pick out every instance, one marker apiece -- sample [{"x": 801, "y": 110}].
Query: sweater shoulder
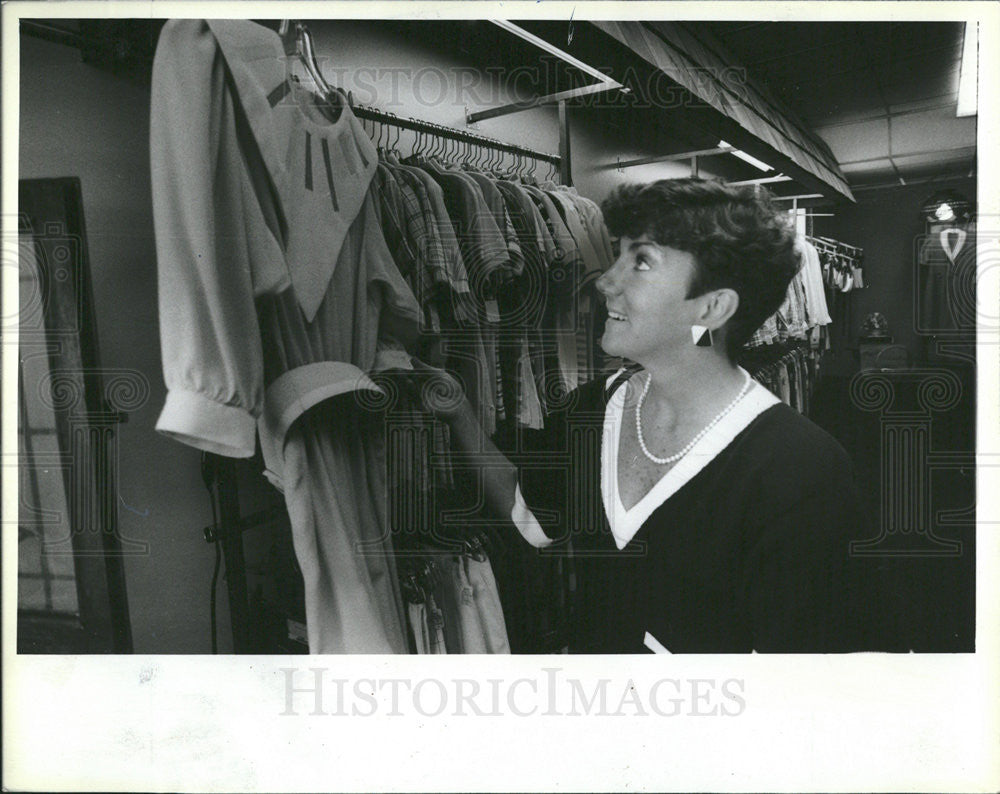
[{"x": 790, "y": 446}]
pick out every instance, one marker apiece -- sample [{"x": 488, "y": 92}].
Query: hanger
[
  {"x": 416, "y": 153},
  {"x": 297, "y": 41},
  {"x": 474, "y": 548},
  {"x": 386, "y": 150},
  {"x": 412, "y": 591},
  {"x": 528, "y": 177},
  {"x": 509, "y": 170},
  {"x": 515, "y": 163},
  {"x": 497, "y": 163},
  {"x": 394, "y": 147}
]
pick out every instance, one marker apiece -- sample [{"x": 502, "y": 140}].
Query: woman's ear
[{"x": 719, "y": 306}]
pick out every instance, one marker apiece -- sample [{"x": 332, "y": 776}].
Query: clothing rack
[
  {"x": 230, "y": 524},
  {"x": 298, "y": 41},
  {"x": 450, "y": 133},
  {"x": 837, "y": 247}
]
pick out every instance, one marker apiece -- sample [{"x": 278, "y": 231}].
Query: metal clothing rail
[
  {"x": 50, "y": 32},
  {"x": 839, "y": 247},
  {"x": 298, "y": 41},
  {"x": 450, "y": 133}
]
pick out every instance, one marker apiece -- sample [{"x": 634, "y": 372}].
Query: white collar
[{"x": 625, "y": 523}]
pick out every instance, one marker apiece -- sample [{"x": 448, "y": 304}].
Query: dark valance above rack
[{"x": 747, "y": 114}]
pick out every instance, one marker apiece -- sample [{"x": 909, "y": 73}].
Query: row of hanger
[
  {"x": 463, "y": 154},
  {"x": 836, "y": 247},
  {"x": 431, "y": 141}
]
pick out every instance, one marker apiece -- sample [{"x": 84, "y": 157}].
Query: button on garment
[{"x": 277, "y": 295}]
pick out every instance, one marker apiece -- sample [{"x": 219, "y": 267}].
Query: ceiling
[{"x": 882, "y": 95}]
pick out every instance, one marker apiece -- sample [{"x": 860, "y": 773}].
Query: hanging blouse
[
  {"x": 277, "y": 295},
  {"x": 811, "y": 275}
]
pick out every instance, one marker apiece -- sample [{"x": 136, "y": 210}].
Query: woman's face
[{"x": 645, "y": 289}]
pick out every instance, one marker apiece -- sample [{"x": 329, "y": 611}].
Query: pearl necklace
[{"x": 678, "y": 455}]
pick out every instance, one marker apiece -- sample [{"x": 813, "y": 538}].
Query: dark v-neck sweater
[{"x": 751, "y": 554}]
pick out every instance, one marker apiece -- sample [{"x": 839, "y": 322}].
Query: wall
[
  {"x": 887, "y": 223},
  {"x": 933, "y": 597},
  {"x": 413, "y": 80},
  {"x": 77, "y": 120}
]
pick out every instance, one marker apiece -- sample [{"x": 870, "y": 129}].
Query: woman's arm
[
  {"x": 475, "y": 448},
  {"x": 441, "y": 395}
]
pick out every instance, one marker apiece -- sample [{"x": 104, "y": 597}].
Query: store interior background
[{"x": 91, "y": 121}]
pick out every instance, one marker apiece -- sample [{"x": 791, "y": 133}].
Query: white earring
[{"x": 701, "y": 335}]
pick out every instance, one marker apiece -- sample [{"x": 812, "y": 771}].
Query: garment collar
[{"x": 321, "y": 171}]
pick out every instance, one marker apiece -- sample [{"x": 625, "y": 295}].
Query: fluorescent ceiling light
[
  {"x": 746, "y": 157},
  {"x": 510, "y": 27},
  {"x": 968, "y": 81}
]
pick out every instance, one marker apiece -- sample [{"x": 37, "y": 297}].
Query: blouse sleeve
[
  {"x": 212, "y": 355},
  {"x": 526, "y": 523}
]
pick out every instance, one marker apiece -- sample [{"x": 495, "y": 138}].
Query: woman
[{"x": 703, "y": 514}]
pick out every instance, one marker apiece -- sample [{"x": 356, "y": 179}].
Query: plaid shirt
[{"x": 441, "y": 255}]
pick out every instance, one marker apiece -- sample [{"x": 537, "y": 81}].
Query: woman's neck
[{"x": 697, "y": 388}]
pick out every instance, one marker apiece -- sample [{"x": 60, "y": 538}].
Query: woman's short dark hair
[{"x": 738, "y": 238}]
